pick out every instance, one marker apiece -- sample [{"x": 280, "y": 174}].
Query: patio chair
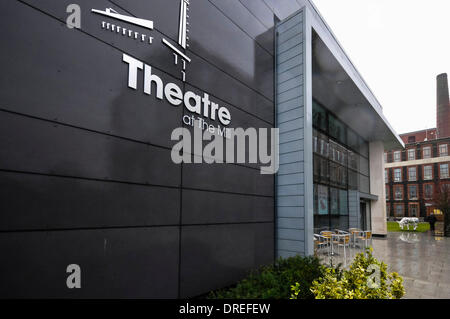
[
  {"x": 321, "y": 242},
  {"x": 354, "y": 232},
  {"x": 328, "y": 235},
  {"x": 343, "y": 240},
  {"x": 365, "y": 236}
]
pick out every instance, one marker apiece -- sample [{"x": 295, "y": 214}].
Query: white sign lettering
[{"x": 174, "y": 95}]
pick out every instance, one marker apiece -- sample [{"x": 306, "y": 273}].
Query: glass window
[
  {"x": 428, "y": 172},
  {"x": 336, "y": 129},
  {"x": 342, "y": 176},
  {"x": 352, "y": 180},
  {"x": 428, "y": 191},
  {"x": 363, "y": 165},
  {"x": 411, "y": 154},
  {"x": 397, "y": 175},
  {"x": 385, "y": 157},
  {"x": 412, "y": 174},
  {"x": 364, "y": 184},
  {"x": 443, "y": 171},
  {"x": 322, "y": 200},
  {"x": 399, "y": 210},
  {"x": 319, "y": 116},
  {"x": 387, "y": 192},
  {"x": 316, "y": 209},
  {"x": 340, "y": 164},
  {"x": 353, "y": 160},
  {"x": 413, "y": 210},
  {"x": 352, "y": 139},
  {"x": 412, "y": 191},
  {"x": 398, "y": 192},
  {"x": 334, "y": 201},
  {"x": 426, "y": 152},
  {"x": 343, "y": 202},
  {"x": 397, "y": 156},
  {"x": 363, "y": 147},
  {"x": 443, "y": 150},
  {"x": 386, "y": 175}
]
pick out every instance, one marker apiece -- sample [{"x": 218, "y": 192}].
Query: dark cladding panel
[
  {"x": 217, "y": 256},
  {"x": 30, "y": 201},
  {"x": 200, "y": 207},
  {"x": 53, "y": 149},
  {"x": 239, "y": 56},
  {"x": 56, "y": 64},
  {"x": 283, "y": 8},
  {"x": 227, "y": 178},
  {"x": 163, "y": 13},
  {"x": 247, "y": 21},
  {"x": 115, "y": 263},
  {"x": 228, "y": 89},
  {"x": 86, "y": 175},
  {"x": 243, "y": 90},
  {"x": 261, "y": 11}
]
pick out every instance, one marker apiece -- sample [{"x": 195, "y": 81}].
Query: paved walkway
[{"x": 422, "y": 259}]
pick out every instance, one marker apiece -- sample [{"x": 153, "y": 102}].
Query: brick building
[{"x": 413, "y": 174}]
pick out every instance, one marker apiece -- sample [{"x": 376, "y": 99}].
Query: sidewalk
[{"x": 422, "y": 259}]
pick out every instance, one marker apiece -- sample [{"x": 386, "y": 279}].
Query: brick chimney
[{"x": 443, "y": 107}]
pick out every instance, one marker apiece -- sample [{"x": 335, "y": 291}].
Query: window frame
[
  {"x": 407, "y": 172},
  {"x": 395, "y": 192},
  {"x": 440, "y": 171},
  {"x": 425, "y": 193},
  {"x": 446, "y": 149},
  {"x": 409, "y": 209},
  {"x": 431, "y": 151},
  {"x": 401, "y": 175},
  {"x": 393, "y": 156},
  {"x": 408, "y": 152},
  {"x": 423, "y": 172},
  {"x": 395, "y": 209},
  {"x": 417, "y": 192}
]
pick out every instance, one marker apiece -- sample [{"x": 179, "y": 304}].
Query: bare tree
[{"x": 441, "y": 200}]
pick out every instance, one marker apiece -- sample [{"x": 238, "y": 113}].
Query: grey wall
[
  {"x": 85, "y": 169},
  {"x": 293, "y": 196}
]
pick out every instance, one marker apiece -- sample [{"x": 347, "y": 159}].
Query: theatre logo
[
  {"x": 178, "y": 50},
  {"x": 126, "y": 31}
]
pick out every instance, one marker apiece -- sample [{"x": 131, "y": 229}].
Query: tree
[{"x": 441, "y": 200}]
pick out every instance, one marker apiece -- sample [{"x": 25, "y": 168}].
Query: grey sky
[{"x": 399, "y": 47}]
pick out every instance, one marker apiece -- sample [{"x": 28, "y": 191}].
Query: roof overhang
[{"x": 337, "y": 84}]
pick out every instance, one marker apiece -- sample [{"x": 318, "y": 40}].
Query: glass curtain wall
[{"x": 341, "y": 164}]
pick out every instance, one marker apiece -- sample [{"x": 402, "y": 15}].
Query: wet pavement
[{"x": 422, "y": 259}]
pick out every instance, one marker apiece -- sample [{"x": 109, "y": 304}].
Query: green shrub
[
  {"x": 274, "y": 281},
  {"x": 359, "y": 282}
]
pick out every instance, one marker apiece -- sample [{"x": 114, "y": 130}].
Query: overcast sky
[{"x": 399, "y": 47}]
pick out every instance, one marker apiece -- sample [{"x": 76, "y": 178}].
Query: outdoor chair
[
  {"x": 321, "y": 242},
  {"x": 342, "y": 240},
  {"x": 365, "y": 236},
  {"x": 354, "y": 232},
  {"x": 328, "y": 235}
]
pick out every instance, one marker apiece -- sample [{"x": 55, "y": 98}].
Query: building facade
[
  {"x": 87, "y": 112},
  {"x": 414, "y": 174}
]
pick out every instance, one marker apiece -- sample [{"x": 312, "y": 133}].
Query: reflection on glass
[{"x": 340, "y": 164}]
